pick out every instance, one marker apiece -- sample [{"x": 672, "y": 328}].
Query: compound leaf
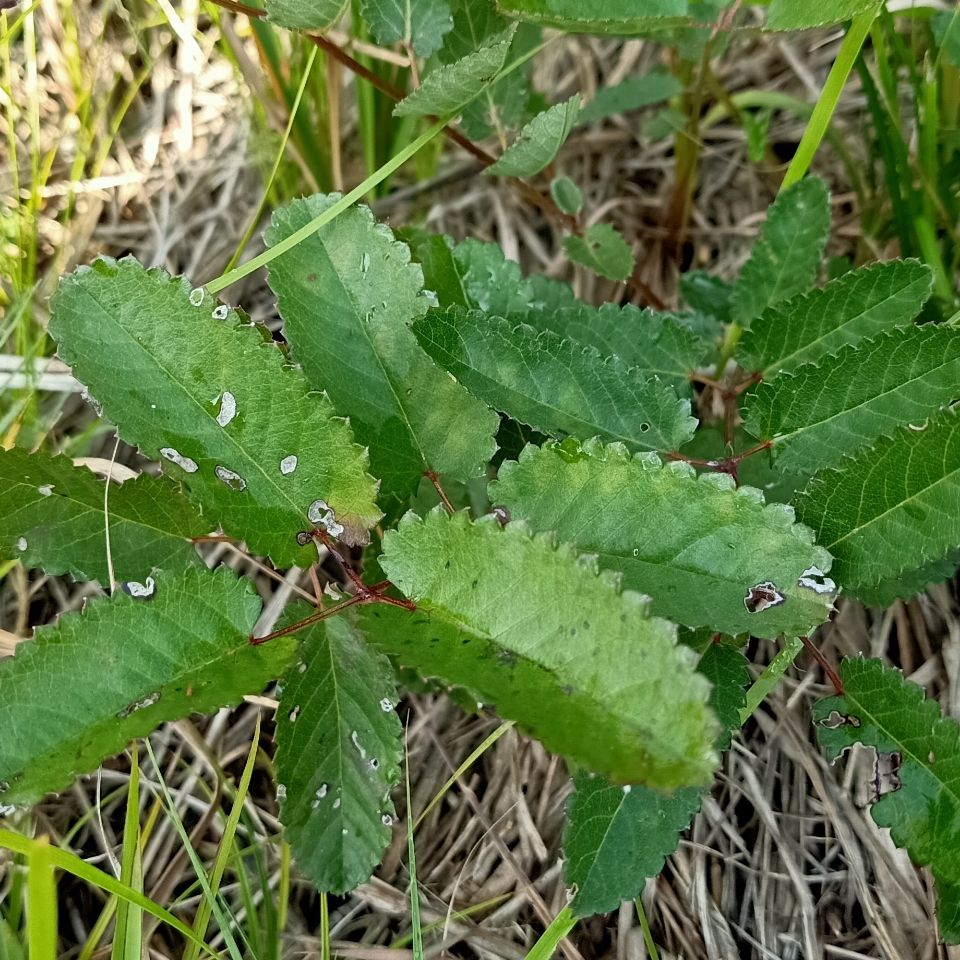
[
  {"x": 52, "y": 517},
  {"x": 892, "y": 508},
  {"x": 603, "y": 250},
  {"x": 824, "y": 412},
  {"x": 446, "y": 89},
  {"x": 554, "y": 385},
  {"x": 785, "y": 258},
  {"x": 879, "y": 708},
  {"x": 860, "y": 304},
  {"x": 347, "y": 294},
  {"x": 421, "y": 24},
  {"x": 705, "y": 552},
  {"x": 801, "y": 14},
  {"x": 538, "y": 142},
  {"x": 213, "y": 396},
  {"x": 527, "y": 626},
  {"x": 338, "y": 755},
  {"x": 617, "y": 836},
  {"x": 305, "y": 14},
  {"x": 88, "y": 684}
]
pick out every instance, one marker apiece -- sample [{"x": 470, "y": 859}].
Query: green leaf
[
  {"x": 338, "y": 755},
  {"x": 630, "y": 94},
  {"x": 52, "y": 517},
  {"x": 305, "y": 14},
  {"x": 216, "y": 398},
  {"x": 824, "y": 412},
  {"x": 347, "y": 295},
  {"x": 88, "y": 684},
  {"x": 445, "y": 90},
  {"x": 650, "y": 341},
  {"x": 801, "y": 14},
  {"x": 566, "y": 195},
  {"x": 910, "y": 582},
  {"x": 702, "y": 549},
  {"x": 612, "y": 17},
  {"x": 617, "y": 836},
  {"x": 505, "y": 102},
  {"x": 527, "y": 626},
  {"x": 603, "y": 250},
  {"x": 421, "y": 24},
  {"x": 554, "y": 385},
  {"x": 785, "y": 259},
  {"x": 892, "y": 508},
  {"x": 921, "y": 806},
  {"x": 538, "y": 142},
  {"x": 855, "y": 306}
]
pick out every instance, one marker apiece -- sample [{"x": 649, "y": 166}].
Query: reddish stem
[
  {"x": 726, "y": 465},
  {"x": 831, "y": 674},
  {"x": 307, "y": 621},
  {"x": 432, "y": 476}
]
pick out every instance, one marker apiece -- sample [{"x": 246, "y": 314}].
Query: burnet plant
[{"x": 699, "y": 476}]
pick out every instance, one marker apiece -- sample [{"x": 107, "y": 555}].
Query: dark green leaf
[
  {"x": 420, "y": 24},
  {"x": 554, "y": 385},
  {"x": 338, "y": 755},
  {"x": 785, "y": 259},
  {"x": 566, "y": 195},
  {"x": 88, "y": 684},
  {"x": 892, "y": 508},
  {"x": 801, "y": 14},
  {"x": 305, "y": 14},
  {"x": 52, "y": 517},
  {"x": 824, "y": 412},
  {"x": 855, "y": 306},
  {"x": 347, "y": 295}
]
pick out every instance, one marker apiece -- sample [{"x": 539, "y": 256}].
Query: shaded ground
[{"x": 783, "y": 861}]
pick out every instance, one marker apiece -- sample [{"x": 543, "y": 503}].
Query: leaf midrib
[{"x": 297, "y": 508}]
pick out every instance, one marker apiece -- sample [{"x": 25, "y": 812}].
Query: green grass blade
[
  {"x": 63, "y": 860},
  {"x": 546, "y": 946},
  {"x": 128, "y": 933},
  {"x": 829, "y": 97},
  {"x": 226, "y": 843},
  {"x": 41, "y": 902}
]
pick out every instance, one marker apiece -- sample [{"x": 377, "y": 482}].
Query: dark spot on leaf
[
  {"x": 644, "y": 427},
  {"x": 311, "y": 278},
  {"x": 837, "y": 719},
  {"x": 475, "y": 584},
  {"x": 303, "y": 538},
  {"x": 762, "y": 596},
  {"x": 506, "y": 658}
]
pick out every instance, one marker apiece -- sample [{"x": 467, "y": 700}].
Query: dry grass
[{"x": 783, "y": 860}]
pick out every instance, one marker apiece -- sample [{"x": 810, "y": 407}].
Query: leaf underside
[
  {"x": 525, "y": 625},
  {"x": 447, "y": 89},
  {"x": 52, "y": 517},
  {"x": 338, "y": 755},
  {"x": 538, "y": 142},
  {"x": 858, "y": 305},
  {"x": 88, "y": 684},
  {"x": 216, "y": 399},
  {"x": 824, "y": 412},
  {"x": 802, "y": 14},
  {"x": 305, "y": 14},
  {"x": 892, "y": 508},
  {"x": 554, "y": 385},
  {"x": 347, "y": 294},
  {"x": 881, "y": 709},
  {"x": 695, "y": 545}
]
